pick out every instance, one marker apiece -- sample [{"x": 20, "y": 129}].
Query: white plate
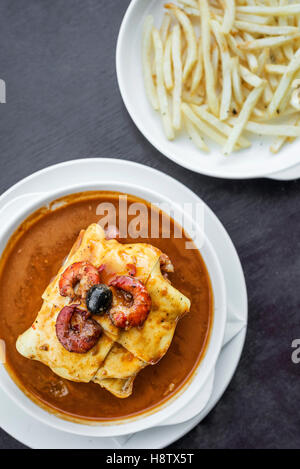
[
  {"x": 38, "y": 435},
  {"x": 256, "y": 161}
]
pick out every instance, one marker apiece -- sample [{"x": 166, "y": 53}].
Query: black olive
[{"x": 99, "y": 299}]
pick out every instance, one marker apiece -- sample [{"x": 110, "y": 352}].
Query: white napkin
[{"x": 234, "y": 324}]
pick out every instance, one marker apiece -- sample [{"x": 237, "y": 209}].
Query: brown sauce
[{"x": 34, "y": 255}]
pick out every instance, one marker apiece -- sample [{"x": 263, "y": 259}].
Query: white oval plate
[
  {"x": 289, "y": 174},
  {"x": 256, "y": 161},
  {"x": 38, "y": 435}
]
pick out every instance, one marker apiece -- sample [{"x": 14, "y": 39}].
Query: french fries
[
  {"x": 223, "y": 70},
  {"x": 229, "y": 16},
  {"x": 190, "y": 37},
  {"x": 245, "y": 113},
  {"x": 206, "y": 49},
  {"x": 226, "y": 70},
  {"x": 147, "y": 67},
  {"x": 195, "y": 136},
  {"x": 168, "y": 69}
]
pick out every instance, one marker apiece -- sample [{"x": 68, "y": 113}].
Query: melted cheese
[{"x": 119, "y": 355}]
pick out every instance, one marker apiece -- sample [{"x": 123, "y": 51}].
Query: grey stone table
[{"x": 58, "y": 61}]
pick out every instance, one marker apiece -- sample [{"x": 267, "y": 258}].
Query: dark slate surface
[{"x": 58, "y": 61}]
